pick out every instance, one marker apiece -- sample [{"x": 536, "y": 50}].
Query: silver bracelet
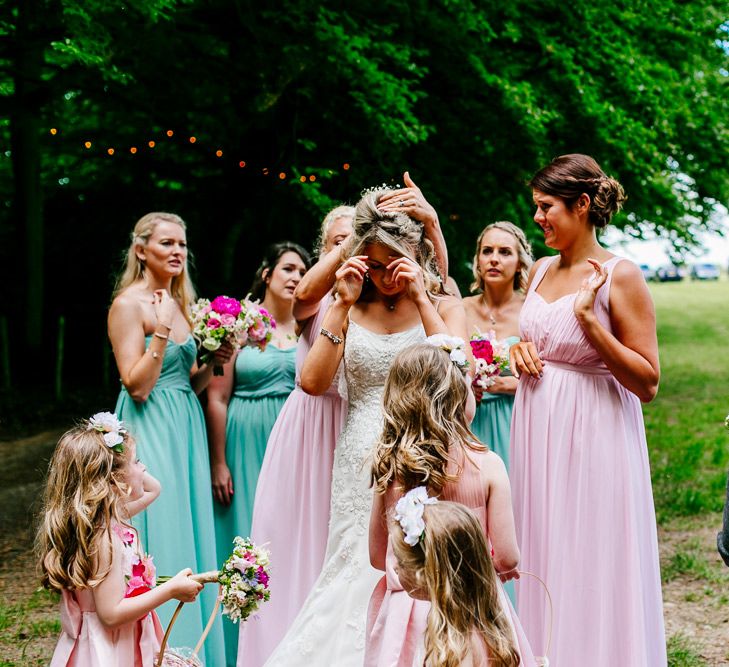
[{"x": 335, "y": 339}]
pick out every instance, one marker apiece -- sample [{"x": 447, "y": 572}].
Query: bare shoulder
[
  {"x": 127, "y": 301},
  {"x": 627, "y": 274},
  {"x": 449, "y": 302},
  {"x": 470, "y": 303}
]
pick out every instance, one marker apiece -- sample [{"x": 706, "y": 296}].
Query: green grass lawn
[{"x": 687, "y": 439}]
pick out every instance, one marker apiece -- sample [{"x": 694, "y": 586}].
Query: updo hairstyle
[
  {"x": 396, "y": 231},
  {"x": 569, "y": 176}
]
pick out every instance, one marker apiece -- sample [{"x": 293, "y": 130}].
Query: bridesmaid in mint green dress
[
  {"x": 155, "y": 354},
  {"x": 243, "y": 405},
  {"x": 501, "y": 270}
]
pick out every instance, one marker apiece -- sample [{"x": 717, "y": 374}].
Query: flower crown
[
  {"x": 409, "y": 512},
  {"x": 112, "y": 428},
  {"x": 454, "y": 346}
]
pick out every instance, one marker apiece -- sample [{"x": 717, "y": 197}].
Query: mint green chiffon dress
[
  {"x": 492, "y": 426},
  {"x": 263, "y": 381},
  {"x": 178, "y": 528}
]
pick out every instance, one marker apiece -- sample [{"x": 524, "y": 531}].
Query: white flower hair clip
[
  {"x": 409, "y": 513},
  {"x": 454, "y": 346},
  {"x": 112, "y": 427}
]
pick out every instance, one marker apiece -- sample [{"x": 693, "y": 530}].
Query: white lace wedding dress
[{"x": 330, "y": 628}]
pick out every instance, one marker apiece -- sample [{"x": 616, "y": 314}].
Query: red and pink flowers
[
  {"x": 140, "y": 573},
  {"x": 491, "y": 359},
  {"x": 226, "y": 319}
]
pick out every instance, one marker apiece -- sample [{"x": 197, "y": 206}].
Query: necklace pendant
[
  {"x": 390, "y": 306},
  {"x": 493, "y": 320}
]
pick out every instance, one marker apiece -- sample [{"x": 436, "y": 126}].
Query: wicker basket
[{"x": 185, "y": 657}]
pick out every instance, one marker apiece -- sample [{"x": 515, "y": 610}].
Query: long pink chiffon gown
[
  {"x": 396, "y": 622},
  {"x": 583, "y": 501},
  {"x": 291, "y": 509}
]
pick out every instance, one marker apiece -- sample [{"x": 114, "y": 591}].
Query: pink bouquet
[
  {"x": 237, "y": 322},
  {"x": 491, "y": 359}
]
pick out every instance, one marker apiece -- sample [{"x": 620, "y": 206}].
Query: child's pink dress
[
  {"x": 396, "y": 622},
  {"x": 85, "y": 642}
]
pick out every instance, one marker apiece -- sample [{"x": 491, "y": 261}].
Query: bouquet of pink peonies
[
  {"x": 491, "y": 359},
  {"x": 225, "y": 319}
]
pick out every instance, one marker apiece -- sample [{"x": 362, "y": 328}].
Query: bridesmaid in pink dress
[
  {"x": 428, "y": 407},
  {"x": 579, "y": 462},
  {"x": 291, "y": 508}
]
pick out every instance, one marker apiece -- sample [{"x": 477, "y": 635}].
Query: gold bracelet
[
  {"x": 337, "y": 340},
  {"x": 159, "y": 335}
]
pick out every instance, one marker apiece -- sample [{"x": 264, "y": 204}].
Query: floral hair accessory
[
  {"x": 454, "y": 346},
  {"x": 409, "y": 512},
  {"x": 112, "y": 428}
]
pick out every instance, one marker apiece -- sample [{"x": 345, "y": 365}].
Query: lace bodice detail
[{"x": 336, "y": 610}]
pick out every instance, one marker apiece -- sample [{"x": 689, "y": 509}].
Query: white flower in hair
[
  {"x": 111, "y": 426},
  {"x": 409, "y": 512},
  {"x": 454, "y": 346}
]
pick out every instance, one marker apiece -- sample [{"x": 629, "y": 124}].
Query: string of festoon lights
[{"x": 98, "y": 147}]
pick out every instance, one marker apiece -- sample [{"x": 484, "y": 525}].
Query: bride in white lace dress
[{"x": 389, "y": 297}]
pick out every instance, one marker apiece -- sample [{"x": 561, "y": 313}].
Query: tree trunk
[{"x": 25, "y": 129}]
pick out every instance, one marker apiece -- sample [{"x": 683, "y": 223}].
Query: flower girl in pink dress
[
  {"x": 439, "y": 547},
  {"x": 426, "y": 442},
  {"x": 91, "y": 556}
]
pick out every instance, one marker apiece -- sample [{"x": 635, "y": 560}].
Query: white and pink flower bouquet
[
  {"x": 225, "y": 319},
  {"x": 491, "y": 359},
  {"x": 244, "y": 580}
]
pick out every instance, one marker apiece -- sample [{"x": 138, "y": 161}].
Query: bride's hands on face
[
  {"x": 408, "y": 274},
  {"x": 350, "y": 279}
]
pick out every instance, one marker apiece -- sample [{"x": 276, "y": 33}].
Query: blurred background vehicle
[
  {"x": 648, "y": 272},
  {"x": 705, "y": 272},
  {"x": 668, "y": 272}
]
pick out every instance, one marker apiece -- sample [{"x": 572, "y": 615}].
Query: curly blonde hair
[
  {"x": 454, "y": 563},
  {"x": 396, "y": 231},
  {"x": 182, "y": 289},
  {"x": 523, "y": 249},
  {"x": 83, "y": 497},
  {"x": 424, "y": 418}
]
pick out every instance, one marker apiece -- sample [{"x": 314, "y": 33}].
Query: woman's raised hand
[
  {"x": 409, "y": 200},
  {"x": 165, "y": 307},
  {"x": 350, "y": 279},
  {"x": 524, "y": 358},
  {"x": 585, "y": 299},
  {"x": 408, "y": 274}
]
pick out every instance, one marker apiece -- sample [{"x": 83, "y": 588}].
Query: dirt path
[{"x": 696, "y": 588}]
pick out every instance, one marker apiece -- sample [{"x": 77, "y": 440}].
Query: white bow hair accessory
[
  {"x": 454, "y": 346},
  {"x": 409, "y": 513}
]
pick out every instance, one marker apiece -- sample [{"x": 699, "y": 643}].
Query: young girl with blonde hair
[
  {"x": 90, "y": 554},
  {"x": 427, "y": 442},
  {"x": 450, "y": 566}
]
